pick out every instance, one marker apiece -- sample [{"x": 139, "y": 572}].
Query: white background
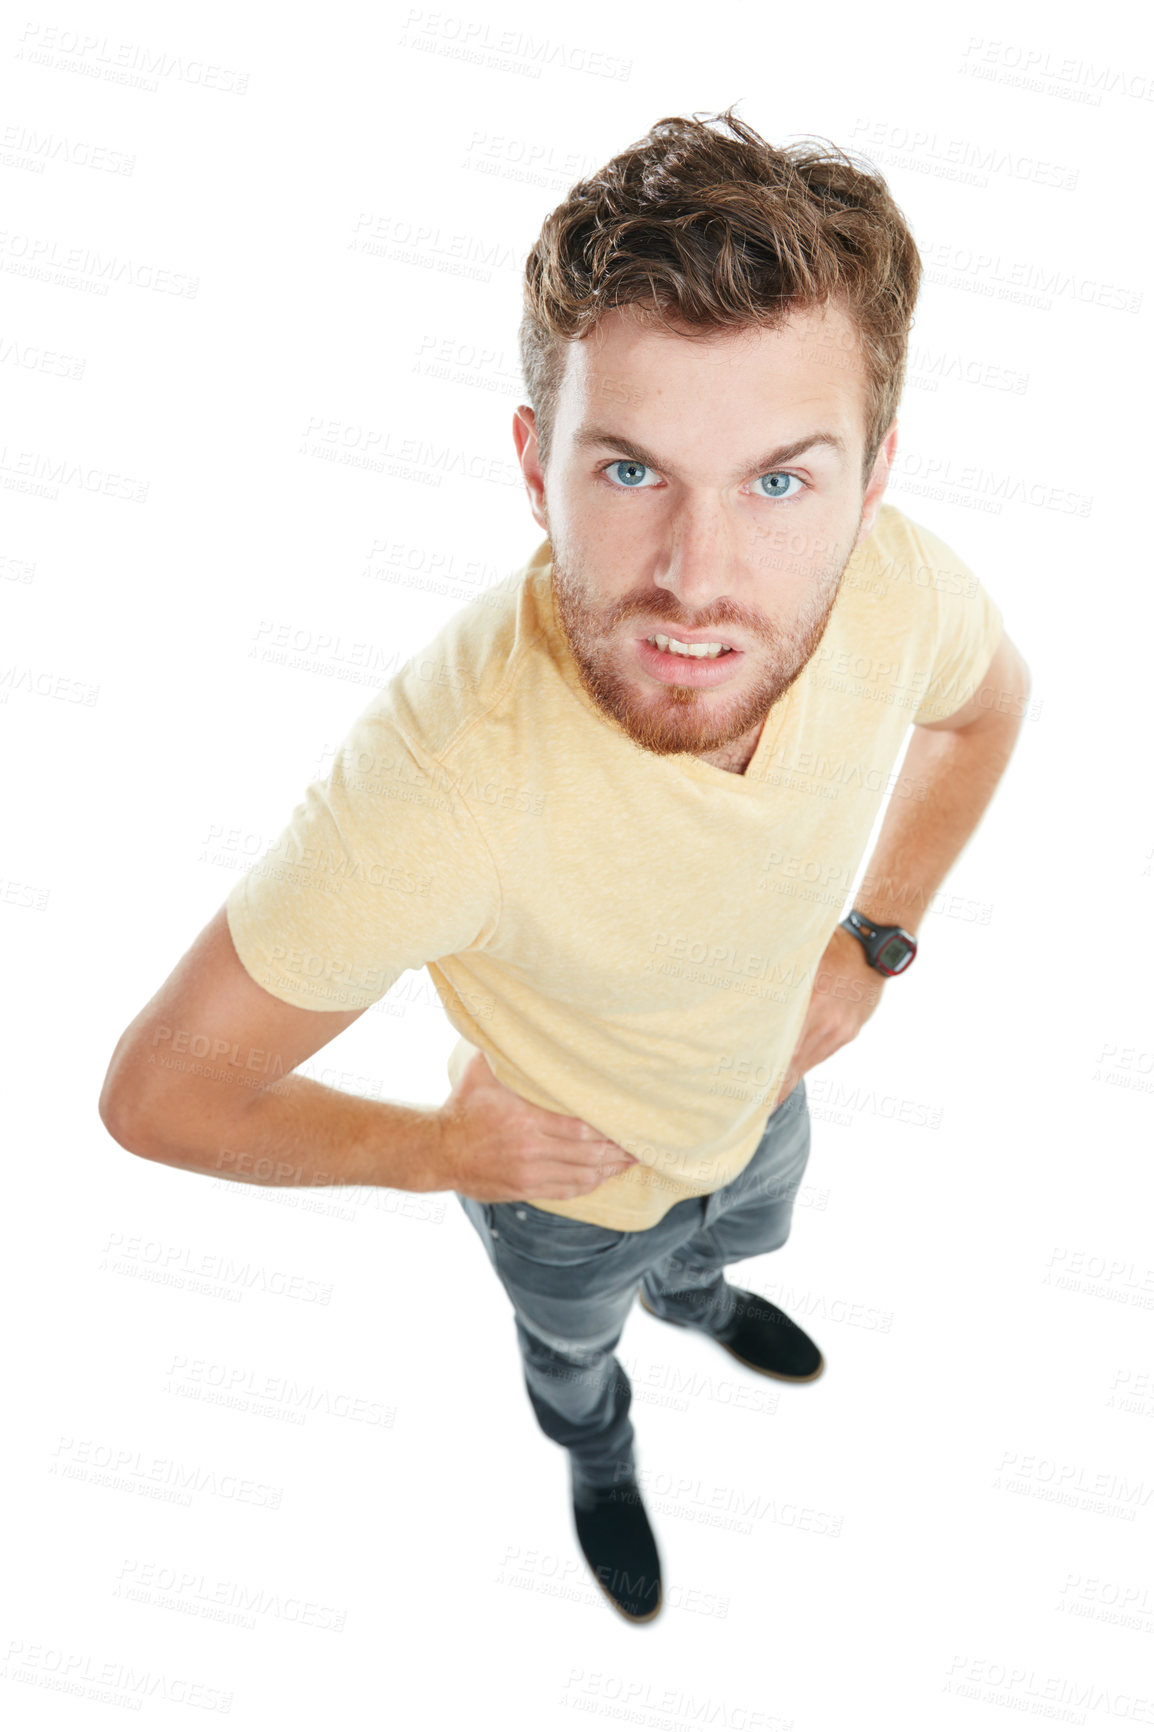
[{"x": 952, "y": 1527}]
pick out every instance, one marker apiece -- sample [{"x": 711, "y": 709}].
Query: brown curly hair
[{"x": 720, "y": 231}]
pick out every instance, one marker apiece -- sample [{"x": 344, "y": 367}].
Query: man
[{"x": 617, "y": 806}]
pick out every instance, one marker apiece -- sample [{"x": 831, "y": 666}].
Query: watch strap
[{"x": 874, "y": 939}]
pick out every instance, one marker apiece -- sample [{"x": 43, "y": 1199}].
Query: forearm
[
  {"x": 296, "y": 1132},
  {"x": 952, "y": 775}
]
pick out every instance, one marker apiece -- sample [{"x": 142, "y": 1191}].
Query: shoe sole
[
  {"x": 630, "y": 1617},
  {"x": 782, "y": 1376}
]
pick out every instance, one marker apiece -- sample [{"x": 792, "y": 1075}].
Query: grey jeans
[{"x": 572, "y": 1286}]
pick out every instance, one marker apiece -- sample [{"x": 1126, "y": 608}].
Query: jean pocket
[{"x": 554, "y": 1240}]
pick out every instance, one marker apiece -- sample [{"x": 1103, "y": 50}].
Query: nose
[{"x": 696, "y": 565}]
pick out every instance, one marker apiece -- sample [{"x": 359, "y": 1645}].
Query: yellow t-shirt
[{"x": 629, "y": 938}]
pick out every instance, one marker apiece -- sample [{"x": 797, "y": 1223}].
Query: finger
[
  {"x": 571, "y": 1130},
  {"x": 575, "y": 1169},
  {"x": 585, "y": 1175}
]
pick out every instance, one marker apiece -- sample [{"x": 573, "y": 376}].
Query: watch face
[{"x": 895, "y": 954}]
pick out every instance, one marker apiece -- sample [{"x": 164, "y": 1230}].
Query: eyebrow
[{"x": 590, "y": 436}]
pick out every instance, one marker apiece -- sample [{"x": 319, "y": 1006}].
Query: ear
[
  {"x": 879, "y": 476},
  {"x": 525, "y": 440}
]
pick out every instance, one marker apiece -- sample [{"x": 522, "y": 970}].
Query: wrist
[
  {"x": 438, "y": 1163},
  {"x": 845, "y": 970},
  {"x": 887, "y": 947},
  {"x": 890, "y": 899}
]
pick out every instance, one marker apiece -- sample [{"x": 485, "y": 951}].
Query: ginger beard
[{"x": 672, "y": 718}]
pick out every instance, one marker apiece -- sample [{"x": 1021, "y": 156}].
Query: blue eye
[
  {"x": 627, "y": 475},
  {"x": 628, "y": 463},
  {"x": 782, "y": 476}
]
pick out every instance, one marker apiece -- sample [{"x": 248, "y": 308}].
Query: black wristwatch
[{"x": 889, "y": 949}]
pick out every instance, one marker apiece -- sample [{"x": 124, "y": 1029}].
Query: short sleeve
[
  {"x": 966, "y": 628},
  {"x": 380, "y": 868}
]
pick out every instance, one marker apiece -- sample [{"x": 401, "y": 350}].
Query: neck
[{"x": 735, "y": 757}]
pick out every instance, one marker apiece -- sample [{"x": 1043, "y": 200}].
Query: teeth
[{"x": 697, "y": 650}]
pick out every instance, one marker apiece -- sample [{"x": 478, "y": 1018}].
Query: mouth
[
  {"x": 693, "y": 660},
  {"x": 691, "y": 647}
]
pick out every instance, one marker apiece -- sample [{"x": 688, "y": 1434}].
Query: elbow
[
  {"x": 116, "y": 1104},
  {"x": 119, "y": 1121},
  {"x": 122, "y": 1113}
]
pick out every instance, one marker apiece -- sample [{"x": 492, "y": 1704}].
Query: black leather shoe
[
  {"x": 614, "y": 1534},
  {"x": 760, "y": 1336}
]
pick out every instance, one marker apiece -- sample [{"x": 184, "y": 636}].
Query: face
[{"x": 710, "y": 493}]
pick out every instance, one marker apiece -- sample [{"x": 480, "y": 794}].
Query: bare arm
[
  {"x": 957, "y": 762},
  {"x": 201, "y": 1079}
]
